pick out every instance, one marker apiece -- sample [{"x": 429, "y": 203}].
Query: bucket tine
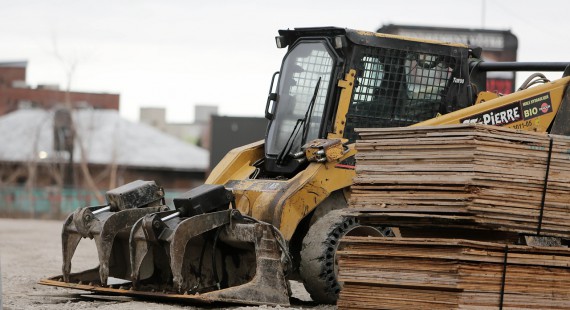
[
  {"x": 70, "y": 238},
  {"x": 184, "y": 232},
  {"x": 107, "y": 240},
  {"x": 138, "y": 249},
  {"x": 78, "y": 225},
  {"x": 142, "y": 240},
  {"x": 146, "y": 250}
]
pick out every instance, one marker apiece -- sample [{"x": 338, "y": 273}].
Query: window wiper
[
  {"x": 309, "y": 113},
  {"x": 305, "y": 121}
]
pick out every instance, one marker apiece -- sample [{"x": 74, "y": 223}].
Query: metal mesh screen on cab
[
  {"x": 317, "y": 65},
  {"x": 302, "y": 87},
  {"x": 397, "y": 88}
]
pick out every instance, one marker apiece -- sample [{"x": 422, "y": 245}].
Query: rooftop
[
  {"x": 14, "y": 64},
  {"x": 27, "y": 135}
]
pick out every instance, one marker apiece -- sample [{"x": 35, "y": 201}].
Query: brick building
[{"x": 15, "y": 93}]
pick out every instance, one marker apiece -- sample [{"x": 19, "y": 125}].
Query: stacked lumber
[
  {"x": 396, "y": 273},
  {"x": 481, "y": 176}
]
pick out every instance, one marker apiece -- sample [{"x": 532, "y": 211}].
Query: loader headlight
[
  {"x": 281, "y": 42},
  {"x": 339, "y": 42}
]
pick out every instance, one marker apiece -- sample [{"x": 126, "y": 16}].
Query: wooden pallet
[
  {"x": 397, "y": 273},
  {"x": 491, "y": 177}
]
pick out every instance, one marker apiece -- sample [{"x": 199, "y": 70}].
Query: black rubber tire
[{"x": 318, "y": 267}]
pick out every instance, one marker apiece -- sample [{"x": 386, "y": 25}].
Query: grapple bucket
[
  {"x": 204, "y": 251},
  {"x": 110, "y": 227}
]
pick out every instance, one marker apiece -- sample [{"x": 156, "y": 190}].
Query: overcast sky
[{"x": 176, "y": 54}]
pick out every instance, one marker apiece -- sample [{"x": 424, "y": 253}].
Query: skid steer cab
[{"x": 271, "y": 211}]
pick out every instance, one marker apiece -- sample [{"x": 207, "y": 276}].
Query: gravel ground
[{"x": 31, "y": 250}]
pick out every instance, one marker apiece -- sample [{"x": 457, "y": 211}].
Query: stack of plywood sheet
[
  {"x": 474, "y": 175},
  {"x": 396, "y": 273}
]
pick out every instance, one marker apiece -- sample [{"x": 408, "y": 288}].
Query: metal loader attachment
[
  {"x": 109, "y": 225},
  {"x": 206, "y": 248}
]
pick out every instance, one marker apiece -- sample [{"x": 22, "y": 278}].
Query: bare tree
[{"x": 70, "y": 65}]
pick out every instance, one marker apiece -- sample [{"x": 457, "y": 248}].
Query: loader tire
[{"x": 319, "y": 266}]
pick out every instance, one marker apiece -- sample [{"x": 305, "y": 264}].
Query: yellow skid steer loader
[{"x": 270, "y": 211}]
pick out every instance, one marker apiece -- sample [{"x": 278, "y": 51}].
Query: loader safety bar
[{"x": 519, "y": 66}]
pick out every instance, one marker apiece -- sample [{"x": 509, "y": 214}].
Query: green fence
[
  {"x": 43, "y": 202},
  {"x": 50, "y": 202}
]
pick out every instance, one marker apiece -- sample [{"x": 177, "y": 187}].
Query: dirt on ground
[{"x": 30, "y": 250}]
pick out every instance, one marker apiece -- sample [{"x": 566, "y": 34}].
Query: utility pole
[{"x": 483, "y": 14}]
